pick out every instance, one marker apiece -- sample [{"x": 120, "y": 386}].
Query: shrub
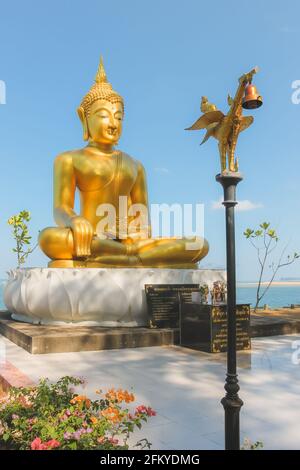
[
  {"x": 52, "y": 416},
  {"x": 21, "y": 236}
]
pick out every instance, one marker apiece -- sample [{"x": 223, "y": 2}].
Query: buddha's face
[{"x": 104, "y": 122}]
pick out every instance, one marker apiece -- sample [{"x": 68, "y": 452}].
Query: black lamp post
[
  {"x": 226, "y": 130},
  {"x": 231, "y": 402},
  {"x": 229, "y": 180}
]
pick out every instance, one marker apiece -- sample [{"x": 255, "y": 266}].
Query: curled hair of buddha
[{"x": 100, "y": 90}]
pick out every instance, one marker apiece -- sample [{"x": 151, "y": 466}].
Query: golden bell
[{"x": 251, "y": 99}]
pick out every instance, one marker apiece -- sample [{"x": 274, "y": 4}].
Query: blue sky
[{"x": 162, "y": 56}]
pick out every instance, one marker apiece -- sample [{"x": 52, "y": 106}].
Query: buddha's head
[{"x": 101, "y": 111}]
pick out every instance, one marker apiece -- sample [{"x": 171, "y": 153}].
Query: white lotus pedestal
[
  {"x": 88, "y": 309},
  {"x": 104, "y": 297}
]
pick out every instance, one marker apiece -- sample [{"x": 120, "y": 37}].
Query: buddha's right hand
[{"x": 82, "y": 235}]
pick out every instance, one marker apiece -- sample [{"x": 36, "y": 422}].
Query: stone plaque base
[
  {"x": 204, "y": 327},
  {"x": 39, "y": 339}
]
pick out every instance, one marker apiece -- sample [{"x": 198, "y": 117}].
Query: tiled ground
[{"x": 185, "y": 388}]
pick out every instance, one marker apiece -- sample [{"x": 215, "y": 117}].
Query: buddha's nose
[{"x": 112, "y": 127}]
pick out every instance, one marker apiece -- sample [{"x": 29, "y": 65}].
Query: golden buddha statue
[{"x": 104, "y": 176}]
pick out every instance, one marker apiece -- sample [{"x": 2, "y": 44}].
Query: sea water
[{"x": 276, "y": 296}]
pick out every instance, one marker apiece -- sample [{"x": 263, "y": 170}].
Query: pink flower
[
  {"x": 150, "y": 411},
  {"x": 37, "y": 444},
  {"x": 145, "y": 410},
  {"x": 83, "y": 382},
  {"x": 52, "y": 444},
  {"x": 113, "y": 440}
]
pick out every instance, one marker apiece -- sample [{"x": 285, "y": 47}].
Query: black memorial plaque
[
  {"x": 163, "y": 301},
  {"x": 204, "y": 327}
]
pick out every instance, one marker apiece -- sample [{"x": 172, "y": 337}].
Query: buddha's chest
[{"x": 115, "y": 173}]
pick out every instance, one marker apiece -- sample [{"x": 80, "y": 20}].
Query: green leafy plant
[
  {"x": 265, "y": 240},
  {"x": 52, "y": 416},
  {"x": 249, "y": 445},
  {"x": 21, "y": 235}
]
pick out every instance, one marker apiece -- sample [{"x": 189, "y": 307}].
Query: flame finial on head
[
  {"x": 100, "y": 90},
  {"x": 101, "y": 75}
]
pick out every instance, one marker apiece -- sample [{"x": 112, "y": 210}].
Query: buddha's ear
[{"x": 82, "y": 117}]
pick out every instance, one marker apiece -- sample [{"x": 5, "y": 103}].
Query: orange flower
[
  {"x": 119, "y": 395},
  {"x": 129, "y": 397},
  {"x": 81, "y": 399},
  {"x": 111, "y": 394},
  {"x": 94, "y": 420},
  {"x": 87, "y": 402},
  {"x": 112, "y": 414}
]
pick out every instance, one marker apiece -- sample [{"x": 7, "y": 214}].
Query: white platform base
[{"x": 98, "y": 296}]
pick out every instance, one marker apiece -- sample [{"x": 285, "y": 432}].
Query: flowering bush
[{"x": 52, "y": 416}]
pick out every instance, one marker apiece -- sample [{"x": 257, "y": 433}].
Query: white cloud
[
  {"x": 242, "y": 206},
  {"x": 162, "y": 170}
]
